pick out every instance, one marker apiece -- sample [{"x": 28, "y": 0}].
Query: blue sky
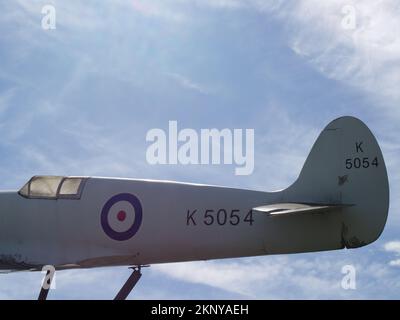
[{"x": 79, "y": 100}]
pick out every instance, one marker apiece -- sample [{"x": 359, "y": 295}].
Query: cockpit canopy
[{"x": 53, "y": 187}]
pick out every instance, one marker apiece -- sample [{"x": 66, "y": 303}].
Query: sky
[{"x": 80, "y": 98}]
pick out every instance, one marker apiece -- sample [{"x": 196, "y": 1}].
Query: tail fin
[{"x": 346, "y": 166}]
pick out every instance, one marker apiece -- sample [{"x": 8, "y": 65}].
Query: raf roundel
[{"x": 121, "y": 216}]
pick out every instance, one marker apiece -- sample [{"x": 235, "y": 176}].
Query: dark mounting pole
[
  {"x": 44, "y": 292},
  {"x": 129, "y": 284}
]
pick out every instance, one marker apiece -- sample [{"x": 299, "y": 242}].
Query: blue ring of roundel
[{"x": 126, "y": 235}]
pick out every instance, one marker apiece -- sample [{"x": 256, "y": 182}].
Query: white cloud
[
  {"x": 393, "y": 246},
  {"x": 395, "y": 263},
  {"x": 235, "y": 276}
]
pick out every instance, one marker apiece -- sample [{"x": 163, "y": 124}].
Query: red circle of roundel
[{"x": 121, "y": 216}]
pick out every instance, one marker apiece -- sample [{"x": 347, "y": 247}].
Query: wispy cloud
[
  {"x": 289, "y": 277},
  {"x": 366, "y": 57},
  {"x": 158, "y": 9},
  {"x": 225, "y": 4},
  {"x": 5, "y": 98},
  {"x": 188, "y": 83}
]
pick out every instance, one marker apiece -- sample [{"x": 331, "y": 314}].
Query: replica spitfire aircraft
[{"x": 340, "y": 200}]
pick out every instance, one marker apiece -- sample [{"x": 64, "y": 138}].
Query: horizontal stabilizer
[{"x": 283, "y": 209}]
